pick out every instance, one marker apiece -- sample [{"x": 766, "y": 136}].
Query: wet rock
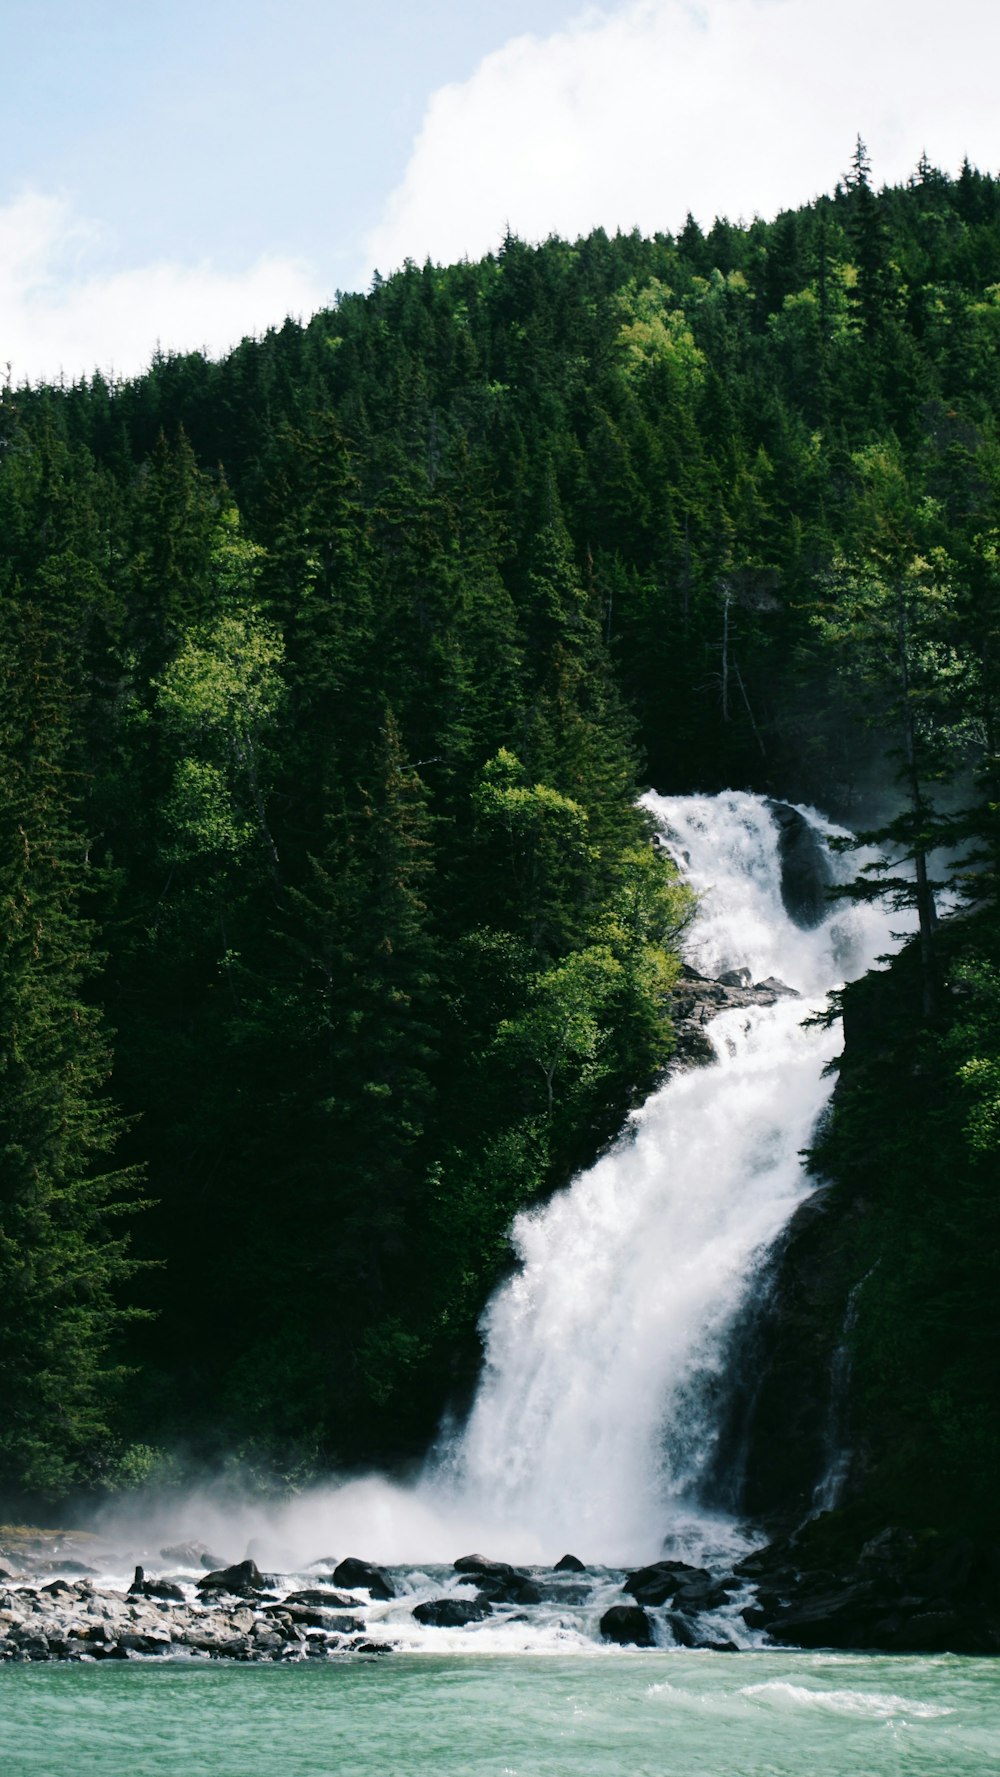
[
  {"x": 682, "y": 1629},
  {"x": 569, "y": 1564},
  {"x": 660, "y": 1581},
  {"x": 168, "y": 1590},
  {"x": 498, "y": 1582},
  {"x": 553, "y": 1593},
  {"x": 627, "y": 1624},
  {"x": 360, "y": 1575},
  {"x": 32, "y": 1645},
  {"x": 481, "y": 1564},
  {"x": 308, "y": 1616},
  {"x": 450, "y": 1613},
  {"x": 244, "y": 1577},
  {"x": 697, "y": 999},
  {"x": 805, "y": 867},
  {"x": 266, "y": 1640},
  {"x": 893, "y": 1592},
  {"x": 697, "y": 1594},
  {"x": 135, "y": 1642},
  {"x": 780, "y": 989},
  {"x": 322, "y": 1595}
]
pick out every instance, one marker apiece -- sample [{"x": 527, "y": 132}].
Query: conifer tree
[{"x": 63, "y": 1252}]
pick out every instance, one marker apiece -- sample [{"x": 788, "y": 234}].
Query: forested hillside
[{"x": 331, "y": 933}]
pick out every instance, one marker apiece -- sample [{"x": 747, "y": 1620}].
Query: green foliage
[
  {"x": 337, "y": 745},
  {"x": 63, "y": 1251},
  {"x": 912, "y": 1144}
]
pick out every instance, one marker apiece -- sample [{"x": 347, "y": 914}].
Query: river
[{"x": 593, "y": 1432}]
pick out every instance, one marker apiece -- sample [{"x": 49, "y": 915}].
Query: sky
[{"x": 175, "y": 174}]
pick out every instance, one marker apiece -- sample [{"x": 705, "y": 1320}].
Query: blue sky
[{"x": 179, "y": 174}]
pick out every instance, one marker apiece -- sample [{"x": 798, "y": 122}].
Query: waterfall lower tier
[
  {"x": 597, "y": 1423},
  {"x": 597, "y": 1414}
]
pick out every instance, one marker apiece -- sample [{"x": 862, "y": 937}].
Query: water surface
[{"x": 766, "y": 1714}]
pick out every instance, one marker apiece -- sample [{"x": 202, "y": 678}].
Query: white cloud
[
  {"x": 732, "y": 107},
  {"x": 63, "y": 311}
]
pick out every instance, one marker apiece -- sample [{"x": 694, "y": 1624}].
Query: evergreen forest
[{"x": 332, "y": 934}]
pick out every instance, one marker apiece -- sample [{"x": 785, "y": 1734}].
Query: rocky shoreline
[
  {"x": 49, "y": 1610},
  {"x": 900, "y": 1595}
]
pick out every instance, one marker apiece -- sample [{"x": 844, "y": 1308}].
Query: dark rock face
[
  {"x": 774, "y": 1441},
  {"x": 677, "y": 1582},
  {"x": 450, "y": 1613},
  {"x": 627, "y": 1624},
  {"x": 244, "y": 1577},
  {"x": 697, "y": 999},
  {"x": 805, "y": 868},
  {"x": 361, "y": 1574},
  {"x": 894, "y": 1594},
  {"x": 569, "y": 1564}
]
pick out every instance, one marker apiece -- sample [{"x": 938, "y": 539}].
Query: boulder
[
  {"x": 780, "y": 989},
  {"x": 450, "y": 1613},
  {"x": 322, "y": 1595},
  {"x": 662, "y": 1580},
  {"x": 307, "y": 1616},
  {"x": 192, "y": 1555},
  {"x": 168, "y": 1590},
  {"x": 628, "y": 1625},
  {"x": 569, "y": 1564},
  {"x": 244, "y": 1577},
  {"x": 361, "y": 1575},
  {"x": 805, "y": 867},
  {"x": 498, "y": 1582},
  {"x": 697, "y": 1594},
  {"x": 736, "y": 978},
  {"x": 682, "y": 1629},
  {"x": 481, "y": 1564},
  {"x": 555, "y": 1592}
]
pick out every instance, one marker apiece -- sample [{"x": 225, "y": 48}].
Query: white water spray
[
  {"x": 593, "y": 1419},
  {"x": 594, "y": 1416}
]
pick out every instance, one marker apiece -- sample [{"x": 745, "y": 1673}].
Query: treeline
[{"x": 331, "y": 934}]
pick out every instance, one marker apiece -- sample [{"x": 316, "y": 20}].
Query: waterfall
[
  {"x": 594, "y": 1417},
  {"x": 598, "y": 1411}
]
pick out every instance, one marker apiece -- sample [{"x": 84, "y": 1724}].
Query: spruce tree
[{"x": 63, "y": 1250}]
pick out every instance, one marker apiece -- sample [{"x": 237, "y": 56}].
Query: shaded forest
[{"x": 331, "y": 932}]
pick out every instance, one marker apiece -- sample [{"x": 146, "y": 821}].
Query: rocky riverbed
[{"x": 59, "y": 1601}]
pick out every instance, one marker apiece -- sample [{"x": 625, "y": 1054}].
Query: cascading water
[
  {"x": 596, "y": 1417},
  {"x": 593, "y": 1419}
]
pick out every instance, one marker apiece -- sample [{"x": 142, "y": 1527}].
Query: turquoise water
[{"x": 644, "y": 1715}]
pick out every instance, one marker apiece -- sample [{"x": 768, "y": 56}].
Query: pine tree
[{"x": 63, "y": 1253}]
